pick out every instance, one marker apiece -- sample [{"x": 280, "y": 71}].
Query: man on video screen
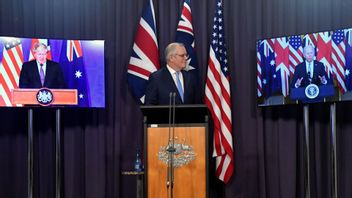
[
  {"x": 309, "y": 71},
  {"x": 41, "y": 72}
]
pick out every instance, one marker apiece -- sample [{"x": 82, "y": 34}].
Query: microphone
[
  {"x": 171, "y": 145},
  {"x": 168, "y": 140},
  {"x": 172, "y": 150}
]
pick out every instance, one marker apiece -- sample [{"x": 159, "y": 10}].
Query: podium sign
[
  {"x": 28, "y": 96},
  {"x": 191, "y": 156},
  {"x": 324, "y": 92}
]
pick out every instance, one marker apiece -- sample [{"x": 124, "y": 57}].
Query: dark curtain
[{"x": 97, "y": 144}]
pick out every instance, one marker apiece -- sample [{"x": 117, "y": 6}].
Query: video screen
[
  {"x": 307, "y": 68},
  {"x": 67, "y": 72}
]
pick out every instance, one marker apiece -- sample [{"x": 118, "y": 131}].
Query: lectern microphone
[
  {"x": 171, "y": 145},
  {"x": 168, "y": 139}
]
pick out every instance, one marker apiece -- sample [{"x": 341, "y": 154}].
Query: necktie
[
  {"x": 309, "y": 70},
  {"x": 179, "y": 85},
  {"x": 41, "y": 73}
]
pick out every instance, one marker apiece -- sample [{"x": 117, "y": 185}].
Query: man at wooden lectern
[
  {"x": 172, "y": 79},
  {"x": 41, "y": 72}
]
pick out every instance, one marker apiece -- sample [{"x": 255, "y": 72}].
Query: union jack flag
[
  {"x": 282, "y": 63},
  {"x": 145, "y": 55},
  {"x": 185, "y": 35},
  {"x": 338, "y": 59},
  {"x": 10, "y": 68},
  {"x": 218, "y": 98},
  {"x": 324, "y": 51},
  {"x": 310, "y": 39}
]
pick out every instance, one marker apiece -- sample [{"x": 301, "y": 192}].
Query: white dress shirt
[{"x": 173, "y": 74}]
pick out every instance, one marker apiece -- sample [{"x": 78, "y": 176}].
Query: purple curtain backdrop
[{"x": 97, "y": 144}]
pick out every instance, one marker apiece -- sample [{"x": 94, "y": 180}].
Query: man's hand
[
  {"x": 323, "y": 80},
  {"x": 298, "y": 82}
]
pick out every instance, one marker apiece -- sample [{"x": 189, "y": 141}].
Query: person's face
[
  {"x": 40, "y": 54},
  {"x": 178, "y": 61},
  {"x": 309, "y": 54}
]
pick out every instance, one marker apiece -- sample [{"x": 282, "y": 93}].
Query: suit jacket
[
  {"x": 301, "y": 71},
  {"x": 161, "y": 83},
  {"x": 30, "y": 78}
]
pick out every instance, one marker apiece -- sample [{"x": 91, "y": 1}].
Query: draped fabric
[{"x": 98, "y": 144}]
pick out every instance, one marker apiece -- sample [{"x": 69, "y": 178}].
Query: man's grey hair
[
  {"x": 38, "y": 45},
  {"x": 170, "y": 50},
  {"x": 307, "y": 47}
]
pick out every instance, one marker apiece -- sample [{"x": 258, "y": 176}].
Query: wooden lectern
[{"x": 190, "y": 159}]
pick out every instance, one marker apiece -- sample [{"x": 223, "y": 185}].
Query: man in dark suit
[
  {"x": 41, "y": 72},
  {"x": 310, "y": 71},
  {"x": 172, "y": 79}
]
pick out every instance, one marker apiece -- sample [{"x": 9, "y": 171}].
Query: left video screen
[{"x": 67, "y": 69}]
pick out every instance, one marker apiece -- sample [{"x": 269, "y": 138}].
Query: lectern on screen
[
  {"x": 284, "y": 75},
  {"x": 81, "y": 62}
]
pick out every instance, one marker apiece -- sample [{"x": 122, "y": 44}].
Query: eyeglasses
[{"x": 183, "y": 55}]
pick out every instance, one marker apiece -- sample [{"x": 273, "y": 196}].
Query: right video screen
[{"x": 306, "y": 68}]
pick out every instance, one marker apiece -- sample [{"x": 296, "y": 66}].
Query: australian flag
[
  {"x": 271, "y": 80},
  {"x": 71, "y": 60},
  {"x": 185, "y": 35},
  {"x": 348, "y": 70}
]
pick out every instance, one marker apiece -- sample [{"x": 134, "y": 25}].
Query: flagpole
[
  {"x": 333, "y": 150},
  {"x": 307, "y": 157}
]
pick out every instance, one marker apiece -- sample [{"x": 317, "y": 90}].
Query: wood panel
[{"x": 190, "y": 180}]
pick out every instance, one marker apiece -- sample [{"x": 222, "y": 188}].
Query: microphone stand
[{"x": 171, "y": 147}]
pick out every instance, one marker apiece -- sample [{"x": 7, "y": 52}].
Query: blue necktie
[{"x": 179, "y": 85}]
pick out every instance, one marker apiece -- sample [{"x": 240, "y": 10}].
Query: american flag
[
  {"x": 338, "y": 59},
  {"x": 185, "y": 35},
  {"x": 145, "y": 55},
  {"x": 296, "y": 52},
  {"x": 72, "y": 63},
  {"x": 282, "y": 63},
  {"x": 218, "y": 98},
  {"x": 324, "y": 51},
  {"x": 348, "y": 71},
  {"x": 44, "y": 41},
  {"x": 11, "y": 64}
]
